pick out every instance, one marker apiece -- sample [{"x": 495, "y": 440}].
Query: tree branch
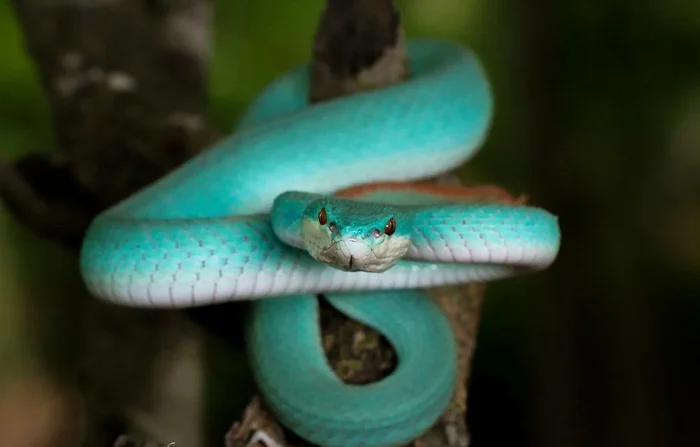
[
  {"x": 126, "y": 85},
  {"x": 122, "y": 115}
]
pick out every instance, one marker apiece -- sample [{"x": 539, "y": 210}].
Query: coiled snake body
[{"x": 227, "y": 225}]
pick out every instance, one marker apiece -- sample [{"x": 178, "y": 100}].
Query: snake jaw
[{"x": 353, "y": 255}]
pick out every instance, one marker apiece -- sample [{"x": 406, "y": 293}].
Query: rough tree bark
[
  {"x": 126, "y": 84},
  {"x": 127, "y": 108}
]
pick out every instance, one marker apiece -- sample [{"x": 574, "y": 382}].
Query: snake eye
[
  {"x": 322, "y": 217},
  {"x": 390, "y": 227}
]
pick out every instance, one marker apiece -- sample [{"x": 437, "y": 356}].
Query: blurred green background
[{"x": 597, "y": 119}]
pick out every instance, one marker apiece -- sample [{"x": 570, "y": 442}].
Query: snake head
[{"x": 355, "y": 236}]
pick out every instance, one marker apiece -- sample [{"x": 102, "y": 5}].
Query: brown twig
[{"x": 54, "y": 219}]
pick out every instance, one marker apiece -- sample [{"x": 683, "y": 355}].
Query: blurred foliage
[{"x": 602, "y": 129}]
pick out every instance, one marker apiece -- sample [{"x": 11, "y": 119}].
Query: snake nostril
[
  {"x": 376, "y": 233},
  {"x": 331, "y": 227}
]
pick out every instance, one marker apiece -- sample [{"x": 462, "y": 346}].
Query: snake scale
[{"x": 255, "y": 217}]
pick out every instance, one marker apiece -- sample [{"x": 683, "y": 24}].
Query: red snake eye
[
  {"x": 390, "y": 227},
  {"x": 322, "y": 218}
]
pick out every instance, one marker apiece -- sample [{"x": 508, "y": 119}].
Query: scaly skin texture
[{"x": 209, "y": 232}]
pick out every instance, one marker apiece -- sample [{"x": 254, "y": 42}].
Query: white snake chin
[{"x": 353, "y": 255}]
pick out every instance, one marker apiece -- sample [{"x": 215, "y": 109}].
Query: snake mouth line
[{"x": 349, "y": 261}]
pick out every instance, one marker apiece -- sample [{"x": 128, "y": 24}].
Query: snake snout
[{"x": 350, "y": 254}]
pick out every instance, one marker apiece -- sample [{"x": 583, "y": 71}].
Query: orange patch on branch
[{"x": 474, "y": 193}]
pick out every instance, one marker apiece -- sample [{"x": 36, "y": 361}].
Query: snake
[{"x": 258, "y": 216}]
